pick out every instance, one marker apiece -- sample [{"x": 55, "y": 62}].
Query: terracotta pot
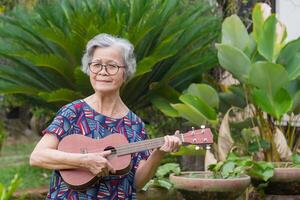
[
  {"x": 201, "y": 185},
  {"x": 286, "y": 181}
]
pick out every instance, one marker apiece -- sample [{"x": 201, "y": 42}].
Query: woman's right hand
[{"x": 98, "y": 164}]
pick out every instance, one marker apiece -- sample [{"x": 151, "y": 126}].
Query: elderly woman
[{"x": 109, "y": 61}]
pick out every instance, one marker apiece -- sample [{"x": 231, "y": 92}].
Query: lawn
[{"x": 14, "y": 160}]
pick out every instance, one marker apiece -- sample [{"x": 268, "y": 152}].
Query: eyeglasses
[{"x": 111, "y": 69}]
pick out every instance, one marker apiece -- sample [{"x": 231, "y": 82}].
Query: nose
[{"x": 103, "y": 70}]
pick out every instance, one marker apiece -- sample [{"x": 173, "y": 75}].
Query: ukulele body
[
  {"x": 120, "y": 159},
  {"x": 80, "y": 178}
]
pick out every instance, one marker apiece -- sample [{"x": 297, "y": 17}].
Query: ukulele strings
[
  {"x": 140, "y": 147},
  {"x": 135, "y": 147}
]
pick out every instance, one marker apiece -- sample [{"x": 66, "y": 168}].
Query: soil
[{"x": 279, "y": 188}]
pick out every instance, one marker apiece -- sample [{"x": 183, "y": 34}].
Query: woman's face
[{"x": 104, "y": 81}]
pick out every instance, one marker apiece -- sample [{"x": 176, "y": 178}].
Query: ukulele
[{"x": 120, "y": 159}]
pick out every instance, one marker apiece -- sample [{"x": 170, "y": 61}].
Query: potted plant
[
  {"x": 286, "y": 178},
  {"x": 267, "y": 71},
  {"x": 226, "y": 179},
  {"x": 198, "y": 104}
]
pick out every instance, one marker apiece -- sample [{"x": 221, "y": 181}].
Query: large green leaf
[
  {"x": 234, "y": 60},
  {"x": 290, "y": 58},
  {"x": 259, "y": 14},
  {"x": 200, "y": 106},
  {"x": 291, "y": 49},
  {"x": 293, "y": 67},
  {"x": 271, "y": 39},
  {"x": 190, "y": 114},
  {"x": 275, "y": 105},
  {"x": 268, "y": 76},
  {"x": 205, "y": 93},
  {"x": 234, "y": 33},
  {"x": 164, "y": 106}
]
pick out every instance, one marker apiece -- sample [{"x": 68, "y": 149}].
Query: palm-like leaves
[{"x": 172, "y": 42}]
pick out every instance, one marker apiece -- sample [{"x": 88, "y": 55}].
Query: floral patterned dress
[{"x": 79, "y": 118}]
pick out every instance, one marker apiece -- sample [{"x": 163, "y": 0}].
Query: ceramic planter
[
  {"x": 286, "y": 181},
  {"x": 200, "y": 185}
]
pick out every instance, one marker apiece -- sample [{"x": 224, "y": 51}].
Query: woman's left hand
[{"x": 172, "y": 143}]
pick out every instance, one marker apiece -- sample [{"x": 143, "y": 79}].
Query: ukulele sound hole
[{"x": 113, "y": 149}]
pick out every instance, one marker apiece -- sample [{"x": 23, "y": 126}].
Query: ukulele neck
[
  {"x": 201, "y": 136},
  {"x": 140, "y": 146}
]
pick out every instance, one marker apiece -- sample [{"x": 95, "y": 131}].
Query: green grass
[
  {"x": 17, "y": 149},
  {"x": 32, "y": 177},
  {"x": 14, "y": 160},
  {"x": 15, "y": 154}
]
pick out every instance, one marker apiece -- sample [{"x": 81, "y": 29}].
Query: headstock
[{"x": 202, "y": 136}]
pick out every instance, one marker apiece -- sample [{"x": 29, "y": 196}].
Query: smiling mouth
[{"x": 103, "y": 81}]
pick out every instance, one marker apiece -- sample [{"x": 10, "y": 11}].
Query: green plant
[
  {"x": 161, "y": 176},
  {"x": 6, "y": 5},
  {"x": 32, "y": 177},
  {"x": 296, "y": 159},
  {"x": 235, "y": 166},
  {"x": 44, "y": 46},
  {"x": 7, "y": 192},
  {"x": 267, "y": 70},
  {"x": 198, "y": 104},
  {"x": 2, "y": 135},
  {"x": 158, "y": 125},
  {"x": 14, "y": 160}
]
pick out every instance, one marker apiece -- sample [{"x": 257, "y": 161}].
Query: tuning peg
[
  {"x": 202, "y": 127},
  {"x": 207, "y": 147},
  {"x": 193, "y": 131}
]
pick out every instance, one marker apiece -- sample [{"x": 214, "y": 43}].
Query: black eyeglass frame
[{"x": 105, "y": 67}]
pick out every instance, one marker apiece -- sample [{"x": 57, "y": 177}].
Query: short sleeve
[
  {"x": 143, "y": 155},
  {"x": 62, "y": 123}
]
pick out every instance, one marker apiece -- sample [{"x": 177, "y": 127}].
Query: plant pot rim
[
  {"x": 243, "y": 176},
  {"x": 286, "y": 174},
  {"x": 277, "y": 165},
  {"x": 209, "y": 184}
]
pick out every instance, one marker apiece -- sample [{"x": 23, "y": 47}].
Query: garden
[{"x": 220, "y": 71}]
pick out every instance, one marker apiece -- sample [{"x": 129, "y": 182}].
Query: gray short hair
[{"x": 106, "y": 40}]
